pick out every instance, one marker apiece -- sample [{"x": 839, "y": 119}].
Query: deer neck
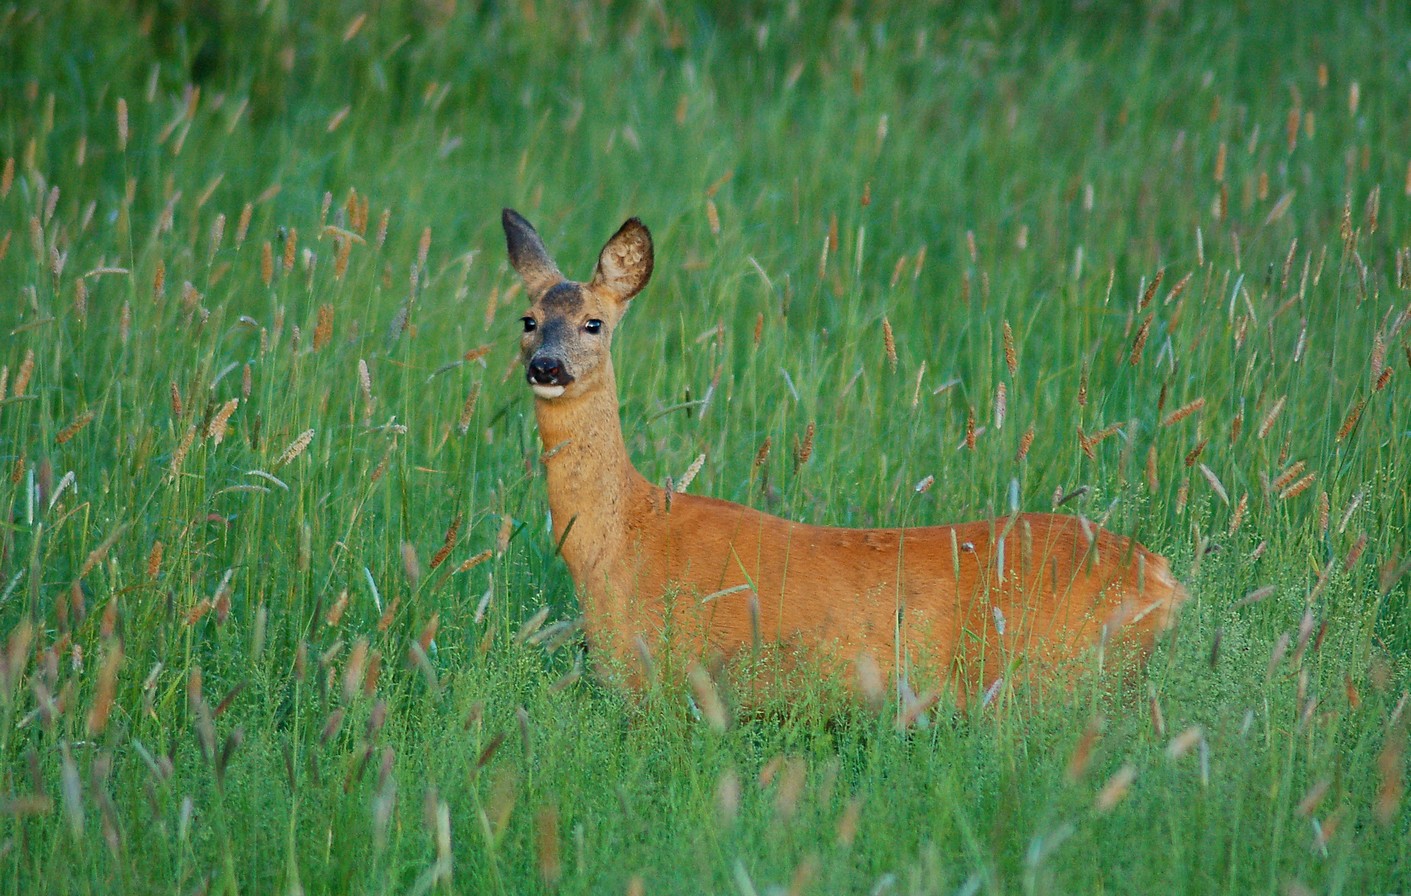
[{"x": 591, "y": 480}]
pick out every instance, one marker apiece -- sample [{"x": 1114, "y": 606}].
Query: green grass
[{"x": 1049, "y": 163}]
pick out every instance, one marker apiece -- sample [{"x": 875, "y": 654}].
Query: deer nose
[{"x": 547, "y": 372}]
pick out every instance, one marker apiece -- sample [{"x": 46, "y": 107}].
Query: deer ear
[
  {"x": 527, "y": 253},
  {"x": 625, "y": 265}
]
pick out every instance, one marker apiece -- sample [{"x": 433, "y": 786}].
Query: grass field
[{"x": 273, "y": 541}]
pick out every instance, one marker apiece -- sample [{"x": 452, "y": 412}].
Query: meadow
[{"x": 279, "y": 610}]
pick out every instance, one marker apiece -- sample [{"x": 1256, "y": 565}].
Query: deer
[{"x": 960, "y": 605}]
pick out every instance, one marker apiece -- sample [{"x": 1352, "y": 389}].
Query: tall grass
[{"x": 276, "y": 590}]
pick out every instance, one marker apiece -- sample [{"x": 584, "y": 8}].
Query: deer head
[{"x": 569, "y": 325}]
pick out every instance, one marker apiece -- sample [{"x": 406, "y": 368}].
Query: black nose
[{"x": 548, "y": 372}]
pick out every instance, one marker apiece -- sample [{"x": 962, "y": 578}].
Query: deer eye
[
  {"x": 593, "y": 326},
  {"x": 530, "y": 324}
]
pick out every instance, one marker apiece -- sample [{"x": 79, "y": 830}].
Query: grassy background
[{"x": 238, "y": 665}]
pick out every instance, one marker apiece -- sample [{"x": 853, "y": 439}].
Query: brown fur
[{"x": 716, "y": 578}]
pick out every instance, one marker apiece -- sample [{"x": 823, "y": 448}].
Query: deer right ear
[
  {"x": 625, "y": 265},
  {"x": 527, "y": 253}
]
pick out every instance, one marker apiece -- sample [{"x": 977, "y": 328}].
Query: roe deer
[{"x": 956, "y": 605}]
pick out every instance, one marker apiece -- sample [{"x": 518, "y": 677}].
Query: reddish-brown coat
[{"x": 954, "y": 604}]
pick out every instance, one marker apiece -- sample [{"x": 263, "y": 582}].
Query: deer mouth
[{"x": 546, "y": 390}]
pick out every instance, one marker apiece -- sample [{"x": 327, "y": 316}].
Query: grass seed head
[
  {"x": 1273, "y": 415},
  {"x": 1183, "y": 412},
  {"x": 22, "y": 376},
  {"x": 323, "y": 331},
  {"x": 1115, "y": 790},
  {"x": 1025, "y": 443},
  {"x": 291, "y": 249},
  {"x": 294, "y": 449},
  {"x": 1349, "y": 423},
  {"x": 74, "y": 428},
  {"x": 1140, "y": 341},
  {"x": 546, "y": 826},
  {"x": 727, "y": 796},
  {"x": 220, "y": 421},
  {"x": 707, "y": 697}
]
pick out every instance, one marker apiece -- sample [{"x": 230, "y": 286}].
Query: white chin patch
[{"x": 546, "y": 391}]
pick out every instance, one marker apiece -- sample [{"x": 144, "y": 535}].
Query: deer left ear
[
  {"x": 625, "y": 265},
  {"x": 527, "y": 253}
]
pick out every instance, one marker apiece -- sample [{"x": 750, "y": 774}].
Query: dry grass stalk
[
  {"x": 712, "y": 217},
  {"x": 7, "y": 177}
]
